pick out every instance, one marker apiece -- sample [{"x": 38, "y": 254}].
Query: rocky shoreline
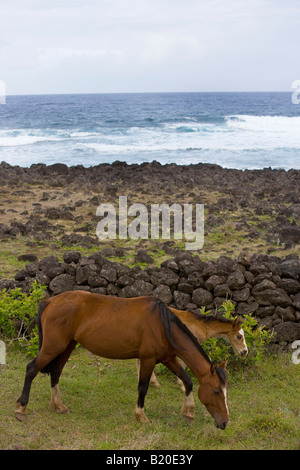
[
  {"x": 265, "y": 201},
  {"x": 252, "y": 237}
]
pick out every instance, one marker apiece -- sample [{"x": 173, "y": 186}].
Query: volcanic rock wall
[{"x": 267, "y": 286}]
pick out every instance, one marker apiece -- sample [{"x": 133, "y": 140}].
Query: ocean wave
[
  {"x": 264, "y": 123},
  {"x": 24, "y": 137}
]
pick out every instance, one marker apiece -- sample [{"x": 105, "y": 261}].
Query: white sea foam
[{"x": 186, "y": 140}]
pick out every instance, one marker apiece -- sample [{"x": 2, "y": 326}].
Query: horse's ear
[
  {"x": 223, "y": 365},
  {"x": 237, "y": 321},
  {"x": 213, "y": 367}
]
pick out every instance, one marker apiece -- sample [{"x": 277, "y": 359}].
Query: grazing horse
[
  {"x": 210, "y": 326},
  {"x": 118, "y": 328}
]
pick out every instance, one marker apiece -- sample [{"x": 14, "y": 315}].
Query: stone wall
[{"x": 267, "y": 286}]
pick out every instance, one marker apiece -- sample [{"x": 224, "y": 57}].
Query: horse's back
[{"x": 107, "y": 326}]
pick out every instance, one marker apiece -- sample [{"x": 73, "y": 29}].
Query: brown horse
[
  {"x": 118, "y": 328},
  {"x": 210, "y": 326}
]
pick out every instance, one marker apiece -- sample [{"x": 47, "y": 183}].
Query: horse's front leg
[
  {"x": 145, "y": 371},
  {"x": 153, "y": 378},
  {"x": 188, "y": 407},
  {"x": 179, "y": 381}
]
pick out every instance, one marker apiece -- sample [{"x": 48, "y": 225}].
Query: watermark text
[
  {"x": 296, "y": 93},
  {"x": 2, "y": 92},
  {"x": 296, "y": 354},
  {"x": 137, "y": 222}
]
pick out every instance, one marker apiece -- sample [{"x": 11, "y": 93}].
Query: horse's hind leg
[
  {"x": 188, "y": 406},
  {"x": 31, "y": 372},
  {"x": 145, "y": 371},
  {"x": 43, "y": 360},
  {"x": 56, "y": 368},
  {"x": 32, "y": 369}
]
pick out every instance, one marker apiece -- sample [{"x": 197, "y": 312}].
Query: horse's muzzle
[{"x": 222, "y": 425}]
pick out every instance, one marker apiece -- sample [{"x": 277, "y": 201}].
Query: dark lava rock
[{"x": 62, "y": 283}]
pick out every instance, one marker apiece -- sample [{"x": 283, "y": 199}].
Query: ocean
[{"x": 234, "y": 130}]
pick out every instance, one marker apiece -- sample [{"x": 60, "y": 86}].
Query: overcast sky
[{"x": 99, "y": 46}]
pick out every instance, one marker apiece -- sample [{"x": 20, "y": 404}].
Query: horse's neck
[
  {"x": 198, "y": 328},
  {"x": 190, "y": 353},
  {"x": 217, "y": 329},
  {"x": 202, "y": 329}
]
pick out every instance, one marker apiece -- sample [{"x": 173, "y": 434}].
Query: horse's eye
[
  {"x": 239, "y": 336},
  {"x": 217, "y": 392}
]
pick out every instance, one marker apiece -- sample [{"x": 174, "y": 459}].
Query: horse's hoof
[
  {"x": 156, "y": 385},
  {"x": 140, "y": 416},
  {"x": 62, "y": 410},
  {"x": 188, "y": 420},
  {"x": 20, "y": 412},
  {"x": 20, "y": 416}
]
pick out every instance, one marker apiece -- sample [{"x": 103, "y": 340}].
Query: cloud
[
  {"x": 56, "y": 57},
  {"x": 148, "y": 45}
]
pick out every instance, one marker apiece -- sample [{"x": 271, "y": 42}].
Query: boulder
[
  {"x": 202, "y": 297},
  {"x": 196, "y": 279},
  {"x": 185, "y": 286},
  {"x": 83, "y": 273},
  {"x": 142, "y": 288},
  {"x": 287, "y": 331},
  {"x": 72, "y": 256},
  {"x": 143, "y": 257},
  {"x": 125, "y": 280},
  {"x": 296, "y": 302},
  {"x": 165, "y": 276},
  {"x": 181, "y": 299},
  {"x": 241, "y": 295},
  {"x": 62, "y": 283},
  {"x": 51, "y": 266},
  {"x": 286, "y": 314},
  {"x": 273, "y": 296},
  {"x": 163, "y": 293},
  {"x": 222, "y": 290},
  {"x": 290, "y": 234},
  {"x": 213, "y": 281},
  {"x": 280, "y": 298},
  {"x": 7, "y": 284},
  {"x": 97, "y": 281},
  {"x": 265, "y": 311},
  {"x": 28, "y": 257},
  {"x": 170, "y": 263},
  {"x": 56, "y": 168},
  {"x": 236, "y": 280},
  {"x": 109, "y": 273},
  {"x": 263, "y": 285},
  {"x": 290, "y": 268},
  {"x": 291, "y": 286}
]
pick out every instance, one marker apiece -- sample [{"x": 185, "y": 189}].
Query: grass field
[{"x": 101, "y": 395}]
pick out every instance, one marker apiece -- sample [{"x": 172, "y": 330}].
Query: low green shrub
[
  {"x": 256, "y": 337},
  {"x": 18, "y": 312}
]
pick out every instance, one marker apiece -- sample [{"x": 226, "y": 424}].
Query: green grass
[{"x": 101, "y": 395}]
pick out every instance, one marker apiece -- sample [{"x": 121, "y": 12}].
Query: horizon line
[{"x": 144, "y": 92}]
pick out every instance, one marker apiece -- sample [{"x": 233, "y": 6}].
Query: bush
[
  {"x": 256, "y": 338},
  {"x": 18, "y": 312}
]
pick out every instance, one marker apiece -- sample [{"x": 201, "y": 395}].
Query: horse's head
[
  {"x": 236, "y": 337},
  {"x": 213, "y": 394}
]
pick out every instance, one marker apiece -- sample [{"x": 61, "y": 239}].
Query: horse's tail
[{"x": 42, "y": 307}]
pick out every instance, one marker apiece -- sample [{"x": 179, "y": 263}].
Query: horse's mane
[
  {"x": 168, "y": 317},
  {"x": 210, "y": 317}
]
